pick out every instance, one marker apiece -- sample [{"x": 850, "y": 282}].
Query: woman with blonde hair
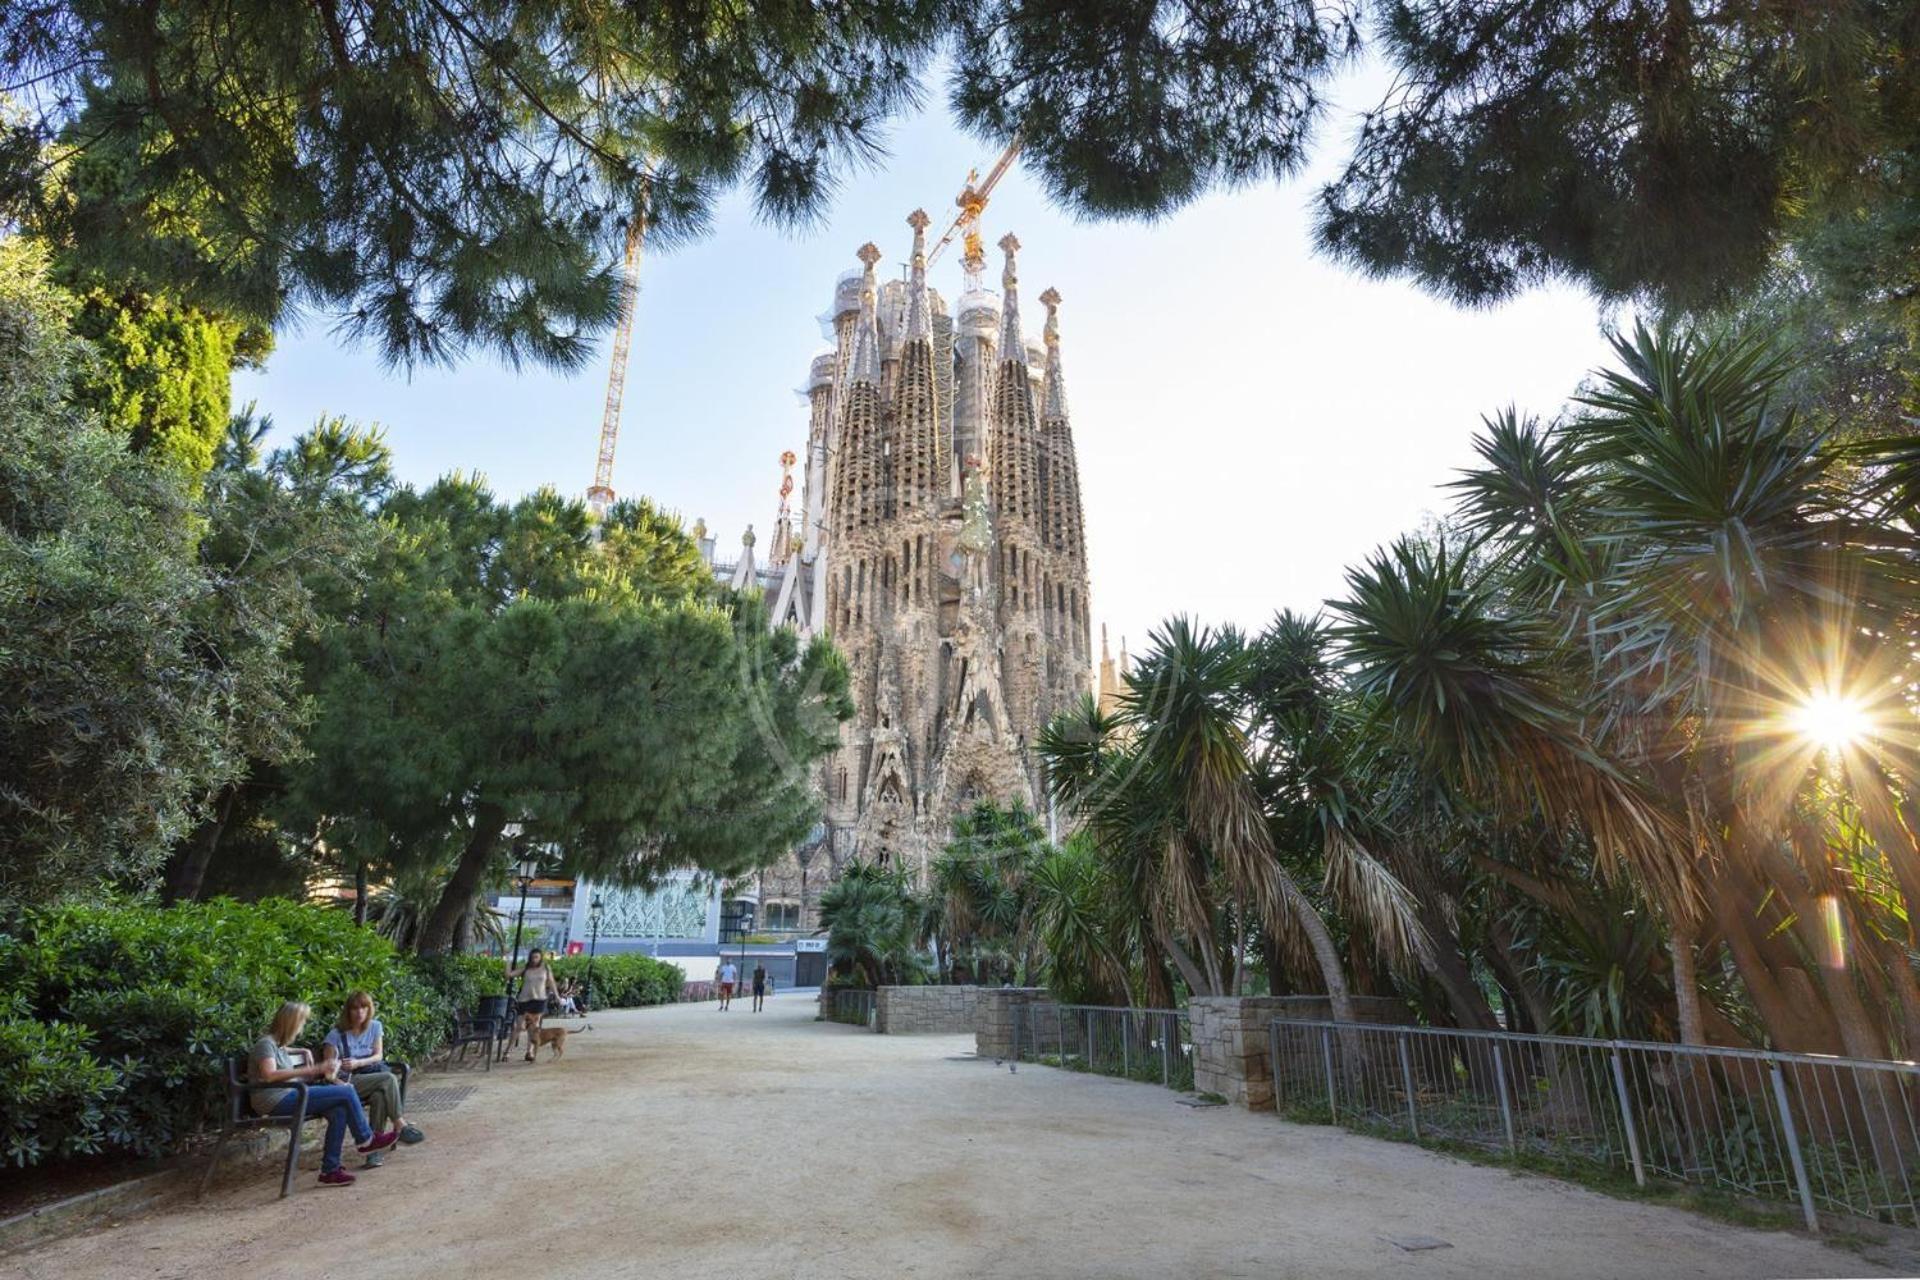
[
  {"x": 274, "y": 1060},
  {"x": 358, "y": 1043}
]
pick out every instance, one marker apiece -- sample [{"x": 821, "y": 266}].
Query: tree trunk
[
  {"x": 1239, "y": 947},
  {"x": 1157, "y": 986},
  {"x": 1196, "y": 981},
  {"x": 1686, "y": 986},
  {"x": 436, "y": 935},
  {"x": 1324, "y": 952},
  {"x": 1797, "y": 1027},
  {"x": 1531, "y": 1001},
  {"x": 360, "y": 893},
  {"x": 189, "y": 870},
  {"x": 1441, "y": 958}
]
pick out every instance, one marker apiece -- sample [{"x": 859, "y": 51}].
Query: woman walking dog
[{"x": 537, "y": 986}]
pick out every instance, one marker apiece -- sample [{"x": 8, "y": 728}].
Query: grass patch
[
  {"x": 1147, "y": 1070},
  {"x": 1720, "y": 1205}
]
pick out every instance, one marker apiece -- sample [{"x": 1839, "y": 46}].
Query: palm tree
[
  {"x": 1700, "y": 581},
  {"x": 1167, "y": 789},
  {"x": 872, "y": 919}
]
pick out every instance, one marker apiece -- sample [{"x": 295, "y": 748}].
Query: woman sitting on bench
[
  {"x": 274, "y": 1060},
  {"x": 359, "y": 1043}
]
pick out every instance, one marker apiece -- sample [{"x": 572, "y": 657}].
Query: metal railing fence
[
  {"x": 851, "y": 1006},
  {"x": 1150, "y": 1045},
  {"x": 1837, "y": 1135}
]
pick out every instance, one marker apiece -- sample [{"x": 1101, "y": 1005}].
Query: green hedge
[
  {"x": 462, "y": 978},
  {"x": 113, "y": 1019},
  {"x": 625, "y": 980}
]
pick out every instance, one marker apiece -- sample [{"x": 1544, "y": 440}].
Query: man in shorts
[
  {"x": 759, "y": 986},
  {"x": 728, "y": 976}
]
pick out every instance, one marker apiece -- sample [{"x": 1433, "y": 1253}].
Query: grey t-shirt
[
  {"x": 265, "y": 1100},
  {"x": 355, "y": 1044}
]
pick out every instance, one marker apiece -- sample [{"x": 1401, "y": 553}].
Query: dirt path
[{"x": 683, "y": 1141}]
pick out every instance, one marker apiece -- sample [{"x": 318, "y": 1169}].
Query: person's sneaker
[
  {"x": 377, "y": 1159},
  {"x": 336, "y": 1178},
  {"x": 410, "y": 1134},
  {"x": 380, "y": 1142}
]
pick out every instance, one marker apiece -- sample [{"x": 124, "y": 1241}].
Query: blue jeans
[{"x": 340, "y": 1105}]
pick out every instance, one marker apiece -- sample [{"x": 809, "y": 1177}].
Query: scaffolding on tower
[{"x": 785, "y": 544}]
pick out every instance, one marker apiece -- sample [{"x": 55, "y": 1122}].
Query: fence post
[
  {"x": 1626, "y": 1117},
  {"x": 1018, "y": 1011},
  {"x": 1089, "y": 1039},
  {"x": 1793, "y": 1148},
  {"x": 1059, "y": 1033},
  {"x": 1170, "y": 1027},
  {"x": 1326, "y": 1054},
  {"x": 1506, "y": 1108},
  {"x": 1126, "y": 1043},
  {"x": 1406, "y": 1076}
]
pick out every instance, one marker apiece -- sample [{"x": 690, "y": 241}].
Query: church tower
[{"x": 945, "y": 552}]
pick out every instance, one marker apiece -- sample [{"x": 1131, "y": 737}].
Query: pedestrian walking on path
[
  {"x": 728, "y": 976},
  {"x": 759, "y": 986}
]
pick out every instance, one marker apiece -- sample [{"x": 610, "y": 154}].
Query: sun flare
[{"x": 1830, "y": 720}]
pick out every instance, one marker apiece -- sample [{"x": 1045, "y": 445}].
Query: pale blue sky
[{"x": 1250, "y": 417}]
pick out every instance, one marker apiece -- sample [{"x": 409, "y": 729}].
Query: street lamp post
[
  {"x": 593, "y": 945},
  {"x": 524, "y": 874}
]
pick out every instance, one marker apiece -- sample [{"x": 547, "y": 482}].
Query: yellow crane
[
  {"x": 600, "y": 495},
  {"x": 973, "y": 201}
]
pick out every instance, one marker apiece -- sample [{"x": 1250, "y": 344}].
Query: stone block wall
[
  {"x": 925, "y": 1010},
  {"x": 1025, "y": 1022},
  {"x": 995, "y": 1011},
  {"x": 1230, "y": 1050}
]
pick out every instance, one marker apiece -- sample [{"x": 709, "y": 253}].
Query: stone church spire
[
  {"x": 1014, "y": 485},
  {"x": 1061, "y": 516},
  {"x": 863, "y": 483},
  {"x": 921, "y": 476},
  {"x": 1054, "y": 407},
  {"x": 866, "y": 333},
  {"x": 1012, "y": 345},
  {"x": 919, "y": 314}
]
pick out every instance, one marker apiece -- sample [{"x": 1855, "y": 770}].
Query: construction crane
[
  {"x": 600, "y": 495},
  {"x": 973, "y": 201}
]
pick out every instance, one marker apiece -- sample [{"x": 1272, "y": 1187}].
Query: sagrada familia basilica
[{"x": 942, "y": 545}]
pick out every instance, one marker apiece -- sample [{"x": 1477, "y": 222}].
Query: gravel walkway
[{"x": 685, "y": 1142}]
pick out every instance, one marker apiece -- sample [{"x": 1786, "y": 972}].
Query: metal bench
[
  {"x": 485, "y": 1027},
  {"x": 239, "y": 1114}
]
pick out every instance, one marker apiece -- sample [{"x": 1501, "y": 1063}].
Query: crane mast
[
  {"x": 600, "y": 495},
  {"x": 973, "y": 201}
]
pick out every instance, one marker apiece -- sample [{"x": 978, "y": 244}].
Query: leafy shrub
[
  {"x": 460, "y": 979},
  {"x": 138, "y": 1004},
  {"x": 625, "y": 979},
  {"x": 59, "y": 1099}
]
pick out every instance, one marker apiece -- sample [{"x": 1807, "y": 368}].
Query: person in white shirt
[{"x": 728, "y": 976}]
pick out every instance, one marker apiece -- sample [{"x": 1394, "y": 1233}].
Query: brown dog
[
  {"x": 522, "y": 1022},
  {"x": 554, "y": 1038}
]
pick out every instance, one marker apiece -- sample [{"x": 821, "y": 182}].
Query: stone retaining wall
[
  {"x": 1230, "y": 1051},
  {"x": 925, "y": 1010},
  {"x": 994, "y": 1011}
]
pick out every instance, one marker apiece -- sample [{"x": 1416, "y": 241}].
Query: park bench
[
  {"x": 487, "y": 1027},
  {"x": 237, "y": 1113}
]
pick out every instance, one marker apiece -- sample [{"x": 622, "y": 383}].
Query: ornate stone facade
[{"x": 944, "y": 550}]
